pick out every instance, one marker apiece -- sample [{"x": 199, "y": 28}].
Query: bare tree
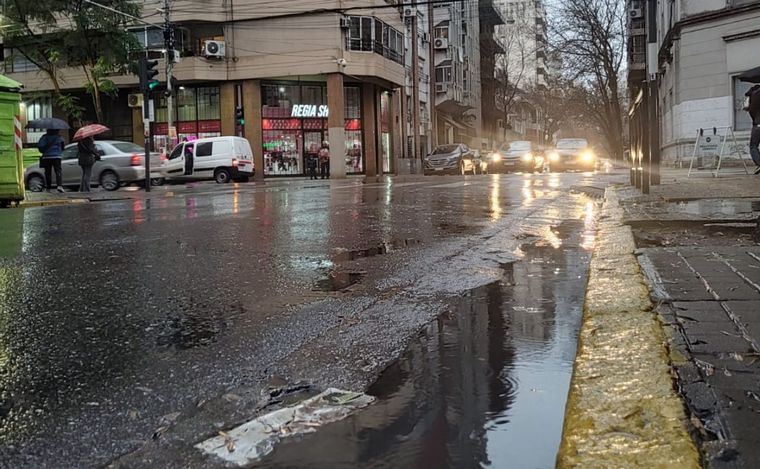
[
  {"x": 591, "y": 36},
  {"x": 513, "y": 66}
]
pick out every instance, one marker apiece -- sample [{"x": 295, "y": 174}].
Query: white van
[{"x": 222, "y": 158}]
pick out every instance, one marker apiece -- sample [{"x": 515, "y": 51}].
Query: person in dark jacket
[
  {"x": 51, "y": 146},
  {"x": 754, "y": 112},
  {"x": 312, "y": 161},
  {"x": 88, "y": 155}
]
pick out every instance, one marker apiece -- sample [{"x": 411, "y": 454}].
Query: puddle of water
[
  {"x": 484, "y": 385},
  {"x": 379, "y": 250},
  {"x": 337, "y": 281},
  {"x": 715, "y": 207}
]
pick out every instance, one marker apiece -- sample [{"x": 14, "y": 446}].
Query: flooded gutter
[{"x": 622, "y": 409}]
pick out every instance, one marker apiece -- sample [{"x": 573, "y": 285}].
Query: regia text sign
[{"x": 309, "y": 110}]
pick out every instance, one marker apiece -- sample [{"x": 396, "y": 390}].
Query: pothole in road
[
  {"x": 337, "y": 281},
  {"x": 378, "y": 250}
]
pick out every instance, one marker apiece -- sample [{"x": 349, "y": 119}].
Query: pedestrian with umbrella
[
  {"x": 87, "y": 152},
  {"x": 752, "y": 106},
  {"x": 51, "y": 146}
]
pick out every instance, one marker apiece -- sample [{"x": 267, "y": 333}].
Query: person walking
[
  {"x": 753, "y": 107},
  {"x": 324, "y": 161},
  {"x": 51, "y": 146},
  {"x": 88, "y": 155}
]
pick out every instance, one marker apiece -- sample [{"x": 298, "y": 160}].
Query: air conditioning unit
[
  {"x": 441, "y": 43},
  {"x": 441, "y": 87},
  {"x": 345, "y": 23},
  {"x": 410, "y": 12},
  {"x": 636, "y": 13},
  {"x": 135, "y": 100},
  {"x": 213, "y": 49}
]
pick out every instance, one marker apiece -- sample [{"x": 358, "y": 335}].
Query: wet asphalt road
[{"x": 140, "y": 326}]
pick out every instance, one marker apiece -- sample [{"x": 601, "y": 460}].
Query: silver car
[
  {"x": 120, "y": 163},
  {"x": 454, "y": 158}
]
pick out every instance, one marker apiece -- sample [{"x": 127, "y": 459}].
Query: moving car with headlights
[
  {"x": 516, "y": 156},
  {"x": 120, "y": 163},
  {"x": 454, "y": 158},
  {"x": 222, "y": 158},
  {"x": 572, "y": 153}
]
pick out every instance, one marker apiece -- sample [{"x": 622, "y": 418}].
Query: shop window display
[
  {"x": 291, "y": 137},
  {"x": 283, "y": 152}
]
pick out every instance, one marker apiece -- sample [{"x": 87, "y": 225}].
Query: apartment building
[
  {"x": 300, "y": 76},
  {"x": 636, "y": 46},
  {"x": 703, "y": 45},
  {"x": 456, "y": 55},
  {"x": 455, "y": 68}
]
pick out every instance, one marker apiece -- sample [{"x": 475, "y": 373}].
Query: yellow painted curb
[
  {"x": 622, "y": 409},
  {"x": 47, "y": 203}
]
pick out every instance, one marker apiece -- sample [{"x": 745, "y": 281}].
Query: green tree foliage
[{"x": 55, "y": 34}]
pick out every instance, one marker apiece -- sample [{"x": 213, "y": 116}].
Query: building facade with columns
[{"x": 300, "y": 77}]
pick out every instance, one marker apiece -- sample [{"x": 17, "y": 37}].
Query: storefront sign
[{"x": 309, "y": 110}]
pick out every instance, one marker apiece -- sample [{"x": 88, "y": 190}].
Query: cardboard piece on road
[{"x": 257, "y": 438}]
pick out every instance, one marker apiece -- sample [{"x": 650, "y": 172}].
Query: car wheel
[
  {"x": 109, "y": 181},
  {"x": 35, "y": 183},
  {"x": 157, "y": 181},
  {"x": 222, "y": 176}
]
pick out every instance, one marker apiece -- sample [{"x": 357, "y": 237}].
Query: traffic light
[
  {"x": 239, "y": 116},
  {"x": 147, "y": 72}
]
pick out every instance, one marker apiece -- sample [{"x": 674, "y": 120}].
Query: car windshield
[
  {"x": 572, "y": 144},
  {"x": 444, "y": 149},
  {"x": 519, "y": 146},
  {"x": 128, "y": 147}
]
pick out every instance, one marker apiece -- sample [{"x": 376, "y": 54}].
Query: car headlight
[
  {"x": 496, "y": 157},
  {"x": 588, "y": 157},
  {"x": 554, "y": 156},
  {"x": 527, "y": 157}
]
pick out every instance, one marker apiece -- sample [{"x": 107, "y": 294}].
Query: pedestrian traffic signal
[
  {"x": 239, "y": 117},
  {"x": 147, "y": 72}
]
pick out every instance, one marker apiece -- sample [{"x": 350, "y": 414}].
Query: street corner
[{"x": 622, "y": 408}]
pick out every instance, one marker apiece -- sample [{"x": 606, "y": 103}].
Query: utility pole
[
  {"x": 416, "y": 85},
  {"x": 431, "y": 59},
  {"x": 169, "y": 55},
  {"x": 653, "y": 95}
]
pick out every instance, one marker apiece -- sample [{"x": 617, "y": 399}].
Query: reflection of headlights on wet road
[
  {"x": 527, "y": 157},
  {"x": 588, "y": 157},
  {"x": 554, "y": 156}
]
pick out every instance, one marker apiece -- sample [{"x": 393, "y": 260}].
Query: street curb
[
  {"x": 47, "y": 203},
  {"x": 622, "y": 409}
]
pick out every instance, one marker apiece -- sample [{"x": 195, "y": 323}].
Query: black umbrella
[
  {"x": 47, "y": 123},
  {"x": 752, "y": 76}
]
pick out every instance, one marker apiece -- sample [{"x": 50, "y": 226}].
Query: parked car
[
  {"x": 572, "y": 154},
  {"x": 455, "y": 158},
  {"x": 222, "y": 158},
  {"x": 516, "y": 156},
  {"x": 120, "y": 163}
]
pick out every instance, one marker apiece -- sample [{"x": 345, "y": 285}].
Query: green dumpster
[
  {"x": 31, "y": 156},
  {"x": 11, "y": 163}
]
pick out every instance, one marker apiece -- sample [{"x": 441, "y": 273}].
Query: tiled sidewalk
[{"x": 711, "y": 297}]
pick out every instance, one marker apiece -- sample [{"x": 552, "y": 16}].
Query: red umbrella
[{"x": 89, "y": 131}]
